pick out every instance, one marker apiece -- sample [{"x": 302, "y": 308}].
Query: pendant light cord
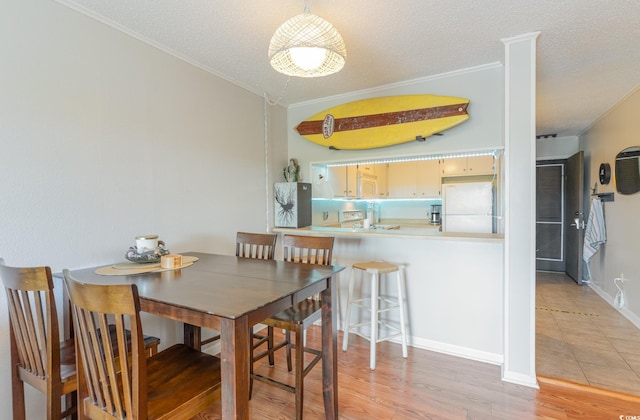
[
  {"x": 266, "y": 162},
  {"x": 277, "y": 101},
  {"x": 618, "y": 301},
  {"x": 267, "y": 185}
]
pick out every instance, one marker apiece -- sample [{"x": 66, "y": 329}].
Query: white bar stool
[{"x": 376, "y": 305}]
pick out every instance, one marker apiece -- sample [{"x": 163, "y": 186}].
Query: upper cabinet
[
  {"x": 403, "y": 179},
  {"x": 368, "y": 168},
  {"x": 343, "y": 180},
  {"x": 414, "y": 179},
  {"x": 468, "y": 166},
  {"x": 381, "y": 172}
]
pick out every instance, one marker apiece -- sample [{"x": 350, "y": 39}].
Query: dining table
[{"x": 230, "y": 294}]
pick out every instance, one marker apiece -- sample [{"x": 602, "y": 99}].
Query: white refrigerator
[{"x": 467, "y": 207}]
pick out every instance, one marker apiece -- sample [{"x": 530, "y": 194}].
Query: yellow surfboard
[{"x": 383, "y": 121}]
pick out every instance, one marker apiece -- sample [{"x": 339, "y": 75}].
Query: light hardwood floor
[
  {"x": 581, "y": 338},
  {"x": 427, "y": 385}
]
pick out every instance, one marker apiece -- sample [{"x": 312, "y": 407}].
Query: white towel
[{"x": 595, "y": 234}]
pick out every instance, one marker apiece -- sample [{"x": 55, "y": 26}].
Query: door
[
  {"x": 550, "y": 221},
  {"x": 574, "y": 216}
]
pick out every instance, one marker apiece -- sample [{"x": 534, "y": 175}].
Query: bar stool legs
[{"x": 376, "y": 268}]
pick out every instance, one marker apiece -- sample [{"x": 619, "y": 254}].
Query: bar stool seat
[{"x": 376, "y": 304}]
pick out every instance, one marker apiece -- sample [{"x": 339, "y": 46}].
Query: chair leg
[
  {"x": 251, "y": 362},
  {"x": 270, "y": 346},
  {"x": 71, "y": 400},
  {"x": 152, "y": 350},
  {"x": 374, "y": 320},
  {"x": 288, "y": 340},
  {"x": 19, "y": 412},
  {"x": 403, "y": 331},
  {"x": 192, "y": 335},
  {"x": 347, "y": 318},
  {"x": 54, "y": 404},
  {"x": 299, "y": 371}
]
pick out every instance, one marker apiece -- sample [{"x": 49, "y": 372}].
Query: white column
[{"x": 520, "y": 196}]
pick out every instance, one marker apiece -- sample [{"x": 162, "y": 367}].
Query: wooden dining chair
[
  {"x": 306, "y": 250},
  {"x": 38, "y": 357},
  {"x": 33, "y": 326},
  {"x": 121, "y": 383},
  {"x": 259, "y": 246}
]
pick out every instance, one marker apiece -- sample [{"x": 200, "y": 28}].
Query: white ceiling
[{"x": 588, "y": 50}]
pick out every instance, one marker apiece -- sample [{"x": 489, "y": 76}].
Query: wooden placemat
[{"x": 125, "y": 268}]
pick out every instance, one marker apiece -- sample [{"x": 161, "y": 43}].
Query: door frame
[{"x": 573, "y": 265}]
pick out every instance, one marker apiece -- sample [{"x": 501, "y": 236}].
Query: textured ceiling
[{"x": 588, "y": 50}]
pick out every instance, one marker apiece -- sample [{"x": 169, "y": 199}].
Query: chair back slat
[
  {"x": 112, "y": 376},
  {"x": 38, "y": 327},
  {"x": 126, "y": 367},
  {"x": 83, "y": 323},
  {"x": 19, "y": 306},
  {"x": 256, "y": 245},
  {"x": 308, "y": 249}
]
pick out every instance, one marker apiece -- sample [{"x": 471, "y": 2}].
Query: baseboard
[
  {"x": 457, "y": 351},
  {"x": 519, "y": 379},
  {"x": 633, "y": 318}
]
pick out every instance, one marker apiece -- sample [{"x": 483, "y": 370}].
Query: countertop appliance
[
  {"x": 348, "y": 218},
  {"x": 436, "y": 212},
  {"x": 468, "y": 207}
]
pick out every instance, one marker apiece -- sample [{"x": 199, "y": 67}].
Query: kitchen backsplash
[{"x": 325, "y": 212}]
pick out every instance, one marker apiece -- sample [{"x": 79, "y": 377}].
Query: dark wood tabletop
[{"x": 229, "y": 294}]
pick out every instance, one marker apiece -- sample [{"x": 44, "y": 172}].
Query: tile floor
[{"x": 581, "y": 338}]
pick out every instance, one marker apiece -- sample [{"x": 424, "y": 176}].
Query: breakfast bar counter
[{"x": 403, "y": 231}]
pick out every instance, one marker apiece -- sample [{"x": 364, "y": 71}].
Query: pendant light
[{"x": 307, "y": 46}]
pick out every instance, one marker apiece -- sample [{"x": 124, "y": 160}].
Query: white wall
[
  {"x": 453, "y": 291},
  {"x": 104, "y": 138},
  {"x": 557, "y": 148},
  {"x": 615, "y": 131}
]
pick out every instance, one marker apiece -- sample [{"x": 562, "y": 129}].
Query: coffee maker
[{"x": 436, "y": 210}]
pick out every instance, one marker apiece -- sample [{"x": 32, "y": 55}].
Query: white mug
[
  {"x": 146, "y": 243},
  {"x": 366, "y": 223}
]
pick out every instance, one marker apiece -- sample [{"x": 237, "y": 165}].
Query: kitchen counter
[{"x": 404, "y": 231}]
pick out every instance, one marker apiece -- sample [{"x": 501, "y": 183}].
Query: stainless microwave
[{"x": 367, "y": 185}]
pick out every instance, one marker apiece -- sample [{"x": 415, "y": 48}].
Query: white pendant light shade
[{"x": 307, "y": 46}]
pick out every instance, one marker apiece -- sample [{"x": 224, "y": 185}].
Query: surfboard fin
[{"x": 423, "y": 138}]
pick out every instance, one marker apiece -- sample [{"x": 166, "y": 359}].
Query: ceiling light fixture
[{"x": 307, "y": 46}]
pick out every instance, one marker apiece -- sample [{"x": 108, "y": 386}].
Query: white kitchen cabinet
[
  {"x": 402, "y": 179},
  {"x": 415, "y": 179},
  {"x": 454, "y": 166},
  {"x": 367, "y": 168},
  {"x": 428, "y": 184},
  {"x": 343, "y": 180},
  {"x": 381, "y": 170},
  {"x": 468, "y": 166},
  {"x": 352, "y": 181}
]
